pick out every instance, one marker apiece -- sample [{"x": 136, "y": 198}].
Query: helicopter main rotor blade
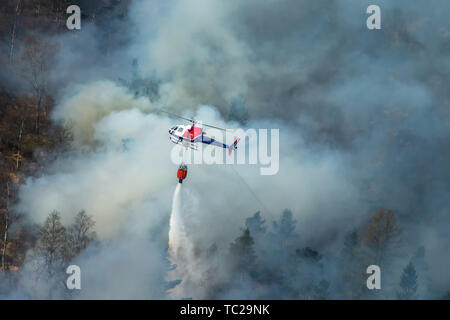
[
  {"x": 193, "y": 121},
  {"x": 208, "y": 125},
  {"x": 175, "y": 115}
]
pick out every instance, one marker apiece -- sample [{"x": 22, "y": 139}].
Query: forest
[
  {"x": 28, "y": 137},
  {"x": 273, "y": 257}
]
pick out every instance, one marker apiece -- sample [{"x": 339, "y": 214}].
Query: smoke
[
  {"x": 88, "y": 104},
  {"x": 363, "y": 119}
]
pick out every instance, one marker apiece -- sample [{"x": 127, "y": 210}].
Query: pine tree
[
  {"x": 255, "y": 224},
  {"x": 284, "y": 229},
  {"x": 351, "y": 243},
  {"x": 309, "y": 282},
  {"x": 422, "y": 268},
  {"x": 243, "y": 253},
  {"x": 352, "y": 267},
  {"x": 408, "y": 283},
  {"x": 308, "y": 254}
]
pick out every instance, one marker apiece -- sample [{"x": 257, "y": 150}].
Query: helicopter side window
[{"x": 180, "y": 129}]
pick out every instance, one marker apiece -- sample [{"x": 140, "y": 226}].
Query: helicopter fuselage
[{"x": 190, "y": 135}]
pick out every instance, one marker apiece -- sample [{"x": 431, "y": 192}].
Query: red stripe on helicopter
[{"x": 193, "y": 133}]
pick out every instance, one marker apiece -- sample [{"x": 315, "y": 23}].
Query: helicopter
[{"x": 190, "y": 135}]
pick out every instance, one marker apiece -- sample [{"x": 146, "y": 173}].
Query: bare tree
[
  {"x": 37, "y": 56},
  {"x": 18, "y": 124},
  {"x": 5, "y": 228},
  {"x": 81, "y": 233},
  {"x": 52, "y": 244},
  {"x": 13, "y": 32},
  {"x": 380, "y": 233}
]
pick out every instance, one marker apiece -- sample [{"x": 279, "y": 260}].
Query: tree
[
  {"x": 424, "y": 282},
  {"x": 284, "y": 229},
  {"x": 37, "y": 56},
  {"x": 351, "y": 243},
  {"x": 16, "y": 123},
  {"x": 352, "y": 266},
  {"x": 13, "y": 32},
  {"x": 5, "y": 219},
  {"x": 309, "y": 278},
  {"x": 20, "y": 241},
  {"x": 243, "y": 254},
  {"x": 408, "y": 283},
  {"x": 380, "y": 233},
  {"x": 308, "y": 254},
  {"x": 81, "y": 233},
  {"x": 52, "y": 244},
  {"x": 255, "y": 224}
]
